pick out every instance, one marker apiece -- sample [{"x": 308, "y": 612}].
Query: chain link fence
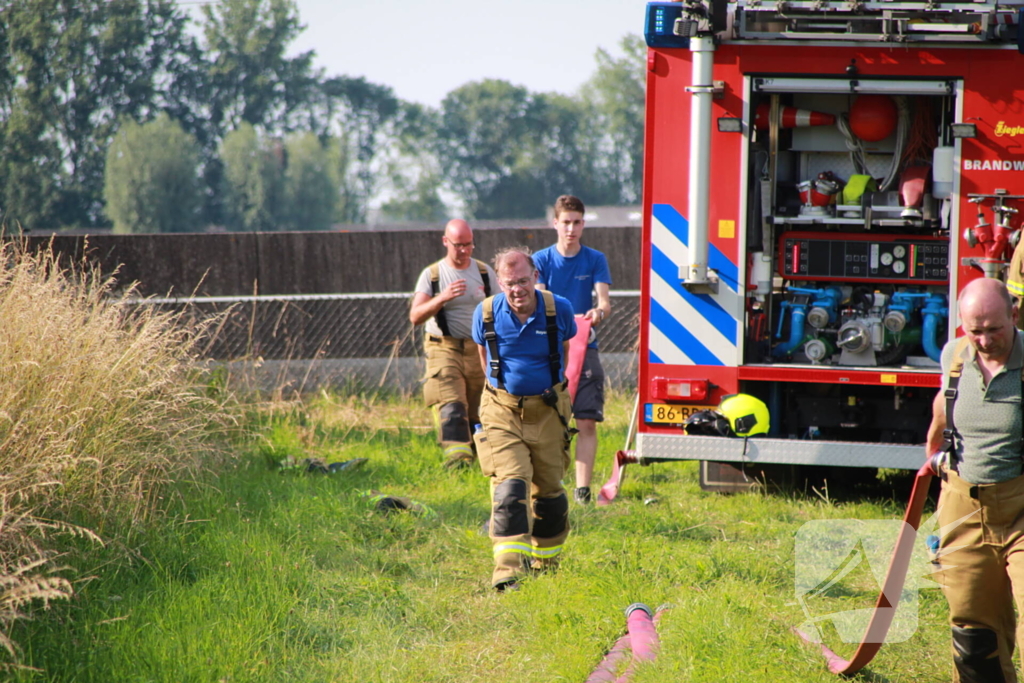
[{"x": 350, "y": 342}]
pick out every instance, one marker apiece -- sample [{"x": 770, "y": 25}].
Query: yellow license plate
[{"x": 663, "y": 413}]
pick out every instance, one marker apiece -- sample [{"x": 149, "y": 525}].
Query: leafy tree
[
  {"x": 272, "y": 184},
  {"x": 249, "y": 79},
  {"x": 151, "y": 180},
  {"x": 614, "y": 99},
  {"x": 311, "y": 183},
  {"x": 508, "y": 152},
  {"x": 253, "y": 175},
  {"x": 184, "y": 90},
  {"x": 413, "y": 179},
  {"x": 70, "y": 70},
  {"x": 572, "y": 152},
  {"x": 338, "y": 156},
  {"x": 366, "y": 118},
  {"x": 487, "y": 146},
  {"x": 245, "y": 78},
  {"x": 416, "y": 201}
]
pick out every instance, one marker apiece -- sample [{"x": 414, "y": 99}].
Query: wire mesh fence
[{"x": 352, "y": 341}]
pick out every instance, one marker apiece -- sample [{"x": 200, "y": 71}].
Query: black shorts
[{"x": 589, "y": 403}]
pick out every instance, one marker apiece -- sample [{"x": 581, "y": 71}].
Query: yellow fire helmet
[{"x": 747, "y": 415}]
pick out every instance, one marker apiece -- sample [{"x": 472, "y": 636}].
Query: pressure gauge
[
  {"x": 898, "y": 267},
  {"x": 899, "y": 251},
  {"x": 886, "y": 259}
]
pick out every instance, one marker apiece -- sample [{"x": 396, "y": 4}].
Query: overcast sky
[{"x": 425, "y": 49}]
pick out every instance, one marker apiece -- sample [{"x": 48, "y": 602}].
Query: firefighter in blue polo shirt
[{"x": 523, "y": 445}]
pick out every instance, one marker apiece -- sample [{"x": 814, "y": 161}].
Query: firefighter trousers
[
  {"x": 452, "y": 386},
  {"x": 524, "y": 449},
  {"x": 982, "y": 556}
]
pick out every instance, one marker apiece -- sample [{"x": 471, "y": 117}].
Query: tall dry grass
[{"x": 99, "y": 407}]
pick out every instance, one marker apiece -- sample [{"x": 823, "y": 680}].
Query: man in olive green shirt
[{"x": 981, "y": 506}]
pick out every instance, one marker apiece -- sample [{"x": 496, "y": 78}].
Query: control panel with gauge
[{"x": 856, "y": 258}]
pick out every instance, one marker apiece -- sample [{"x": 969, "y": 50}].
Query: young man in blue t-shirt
[{"x": 576, "y": 272}]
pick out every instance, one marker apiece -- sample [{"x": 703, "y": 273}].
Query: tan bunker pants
[
  {"x": 524, "y": 449},
  {"x": 983, "y": 574},
  {"x": 452, "y": 386}
]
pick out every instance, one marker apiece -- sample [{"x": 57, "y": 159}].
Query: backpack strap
[
  {"x": 435, "y": 287},
  {"x": 554, "y": 353},
  {"x": 491, "y": 338},
  {"x": 950, "y": 436},
  {"x": 484, "y": 276}
]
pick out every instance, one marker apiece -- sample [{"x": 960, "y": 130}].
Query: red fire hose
[
  {"x": 611, "y": 488},
  {"x": 577, "y": 354},
  {"x": 641, "y": 637},
  {"x": 892, "y": 587},
  {"x": 888, "y": 599}
]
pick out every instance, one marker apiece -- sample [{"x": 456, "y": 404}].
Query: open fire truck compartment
[{"x": 821, "y": 179}]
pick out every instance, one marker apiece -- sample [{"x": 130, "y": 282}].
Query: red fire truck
[{"x": 821, "y": 178}]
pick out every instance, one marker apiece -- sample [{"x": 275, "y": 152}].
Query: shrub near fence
[{"x": 354, "y": 341}]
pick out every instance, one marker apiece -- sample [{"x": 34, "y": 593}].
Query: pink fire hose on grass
[
  {"x": 577, "y": 354},
  {"x": 892, "y": 587},
  {"x": 641, "y": 637},
  {"x": 610, "y": 490}
]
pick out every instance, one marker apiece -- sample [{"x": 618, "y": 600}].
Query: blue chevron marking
[
  {"x": 708, "y": 308},
  {"x": 676, "y": 224},
  {"x": 681, "y": 337},
  {"x": 673, "y": 221}
]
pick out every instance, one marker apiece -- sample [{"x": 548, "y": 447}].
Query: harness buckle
[
  {"x": 949, "y": 456},
  {"x": 550, "y": 398}
]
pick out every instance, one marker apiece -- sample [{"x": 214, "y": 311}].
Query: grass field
[{"x": 268, "y": 575}]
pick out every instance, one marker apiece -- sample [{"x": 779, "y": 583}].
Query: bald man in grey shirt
[
  {"x": 446, "y": 295},
  {"x": 977, "y": 421}
]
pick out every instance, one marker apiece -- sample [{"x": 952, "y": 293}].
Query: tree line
[{"x": 124, "y": 113}]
